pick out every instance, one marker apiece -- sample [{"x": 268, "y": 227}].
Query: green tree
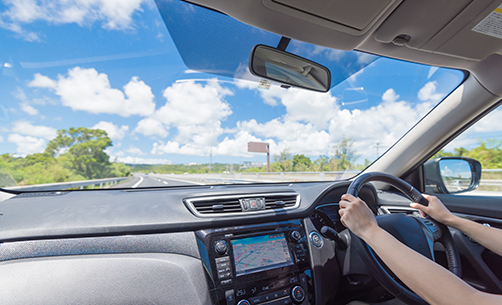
[
  {"x": 345, "y": 155},
  {"x": 301, "y": 163},
  {"x": 490, "y": 157},
  {"x": 283, "y": 161},
  {"x": 321, "y": 164},
  {"x": 84, "y": 149}
]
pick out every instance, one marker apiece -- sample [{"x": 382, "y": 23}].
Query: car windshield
[{"x": 110, "y": 93}]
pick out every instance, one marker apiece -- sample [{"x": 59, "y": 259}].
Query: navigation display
[{"x": 259, "y": 253}]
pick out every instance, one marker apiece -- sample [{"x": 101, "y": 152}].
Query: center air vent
[{"x": 231, "y": 205}]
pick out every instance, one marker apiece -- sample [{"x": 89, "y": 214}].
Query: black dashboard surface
[
  {"x": 116, "y": 212},
  {"x": 61, "y": 241}
]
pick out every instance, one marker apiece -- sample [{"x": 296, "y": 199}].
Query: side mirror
[
  {"x": 450, "y": 175},
  {"x": 289, "y": 69}
]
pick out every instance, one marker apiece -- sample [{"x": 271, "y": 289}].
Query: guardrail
[
  {"x": 267, "y": 177},
  {"x": 291, "y": 177},
  {"x": 67, "y": 185}
]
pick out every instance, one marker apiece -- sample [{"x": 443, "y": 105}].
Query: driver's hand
[
  {"x": 436, "y": 209},
  {"x": 356, "y": 215}
]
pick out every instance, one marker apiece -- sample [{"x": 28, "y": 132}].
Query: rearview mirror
[
  {"x": 449, "y": 175},
  {"x": 289, "y": 69}
]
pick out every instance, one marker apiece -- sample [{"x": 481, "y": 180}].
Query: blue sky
[{"x": 113, "y": 65}]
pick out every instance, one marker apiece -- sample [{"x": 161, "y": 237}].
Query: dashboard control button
[
  {"x": 223, "y": 259},
  {"x": 226, "y": 282},
  {"x": 316, "y": 239},
  {"x": 293, "y": 280},
  {"x": 303, "y": 279},
  {"x": 295, "y": 235},
  {"x": 285, "y": 292},
  {"x": 220, "y": 247},
  {"x": 286, "y": 301},
  {"x": 256, "y": 300},
  {"x": 223, "y": 265},
  {"x": 298, "y": 294},
  {"x": 244, "y": 302},
  {"x": 240, "y": 292},
  {"x": 224, "y": 275},
  {"x": 230, "y": 297}
]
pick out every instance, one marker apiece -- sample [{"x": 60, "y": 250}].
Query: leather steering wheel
[{"x": 415, "y": 232}]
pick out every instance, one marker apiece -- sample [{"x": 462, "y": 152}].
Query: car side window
[{"x": 453, "y": 169}]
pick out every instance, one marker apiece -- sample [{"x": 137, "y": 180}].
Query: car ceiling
[{"x": 434, "y": 32}]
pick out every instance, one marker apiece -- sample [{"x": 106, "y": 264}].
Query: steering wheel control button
[
  {"x": 298, "y": 294},
  {"x": 295, "y": 236},
  {"x": 243, "y": 302},
  {"x": 230, "y": 297},
  {"x": 220, "y": 247},
  {"x": 316, "y": 239}
]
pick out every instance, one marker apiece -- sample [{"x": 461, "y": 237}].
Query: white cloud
[
  {"x": 25, "y": 128},
  {"x": 194, "y": 109},
  {"x": 189, "y": 103},
  {"x": 206, "y": 134},
  {"x": 390, "y": 96},
  {"x": 42, "y": 81},
  {"x": 228, "y": 147},
  {"x": 113, "y": 131},
  {"x": 1, "y": 139},
  {"x": 88, "y": 90},
  {"x": 112, "y": 14},
  {"x": 135, "y": 151},
  {"x": 27, "y": 144},
  {"x": 137, "y": 160},
  {"x": 25, "y": 106},
  {"x": 428, "y": 93},
  {"x": 28, "y": 109},
  {"x": 365, "y": 58},
  {"x": 151, "y": 127}
]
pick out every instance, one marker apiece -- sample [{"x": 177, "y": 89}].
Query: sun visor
[
  {"x": 354, "y": 17},
  {"x": 444, "y": 27},
  {"x": 419, "y": 19}
]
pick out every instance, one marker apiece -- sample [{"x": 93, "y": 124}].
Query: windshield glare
[{"x": 116, "y": 93}]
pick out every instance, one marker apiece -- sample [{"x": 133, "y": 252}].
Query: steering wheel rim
[{"x": 394, "y": 223}]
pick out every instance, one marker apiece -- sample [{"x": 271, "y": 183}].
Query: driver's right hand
[{"x": 436, "y": 209}]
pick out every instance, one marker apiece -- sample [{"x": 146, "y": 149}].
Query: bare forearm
[
  {"x": 429, "y": 280},
  {"x": 488, "y": 237}
]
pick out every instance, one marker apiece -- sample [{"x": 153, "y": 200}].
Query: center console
[{"x": 261, "y": 264}]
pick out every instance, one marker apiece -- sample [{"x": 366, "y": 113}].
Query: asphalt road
[{"x": 144, "y": 180}]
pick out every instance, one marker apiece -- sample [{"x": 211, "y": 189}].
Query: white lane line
[
  {"x": 165, "y": 182},
  {"x": 138, "y": 183}
]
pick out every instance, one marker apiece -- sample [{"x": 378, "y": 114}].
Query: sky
[{"x": 116, "y": 66}]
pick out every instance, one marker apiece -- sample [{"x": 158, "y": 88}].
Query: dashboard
[{"x": 228, "y": 245}]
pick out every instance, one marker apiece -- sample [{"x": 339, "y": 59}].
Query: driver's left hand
[{"x": 356, "y": 215}]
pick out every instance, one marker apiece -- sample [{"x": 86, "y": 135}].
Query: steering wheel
[{"x": 417, "y": 233}]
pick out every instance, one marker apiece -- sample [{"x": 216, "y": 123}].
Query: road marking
[
  {"x": 138, "y": 183},
  {"x": 165, "y": 182}
]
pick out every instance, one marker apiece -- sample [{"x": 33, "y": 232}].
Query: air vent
[
  {"x": 219, "y": 205},
  {"x": 397, "y": 210},
  {"x": 231, "y": 205},
  {"x": 280, "y": 201}
]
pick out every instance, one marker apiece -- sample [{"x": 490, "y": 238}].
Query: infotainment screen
[{"x": 259, "y": 253}]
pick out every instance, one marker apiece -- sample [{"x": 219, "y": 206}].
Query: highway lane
[{"x": 145, "y": 180}]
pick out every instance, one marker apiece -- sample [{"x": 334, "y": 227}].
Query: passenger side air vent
[
  {"x": 218, "y": 205},
  {"x": 231, "y": 205}
]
